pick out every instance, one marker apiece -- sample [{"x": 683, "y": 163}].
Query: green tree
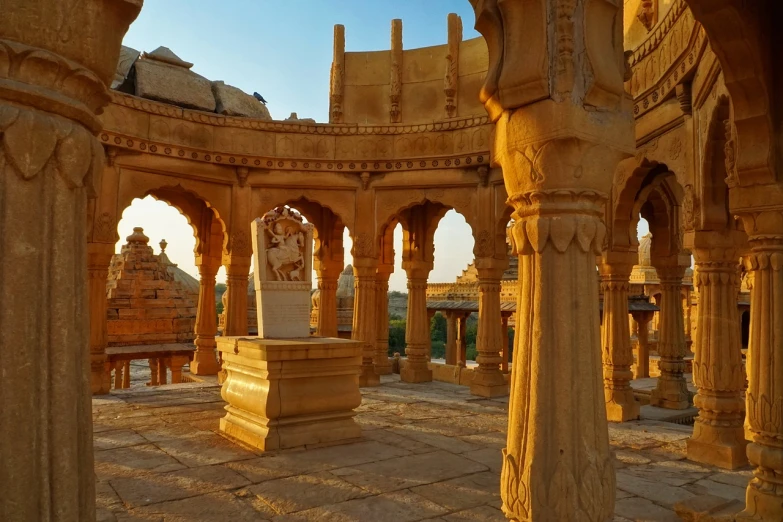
[
  {"x": 438, "y": 328},
  {"x": 396, "y": 336}
]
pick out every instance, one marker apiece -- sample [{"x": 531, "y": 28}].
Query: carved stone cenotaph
[{"x": 286, "y": 388}]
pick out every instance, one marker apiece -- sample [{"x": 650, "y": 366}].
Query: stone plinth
[{"x": 292, "y": 392}]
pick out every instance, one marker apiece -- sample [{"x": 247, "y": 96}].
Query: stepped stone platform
[{"x": 430, "y": 452}]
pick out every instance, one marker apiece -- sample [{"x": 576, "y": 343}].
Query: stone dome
[
  {"x": 644, "y": 250},
  {"x": 187, "y": 282}
]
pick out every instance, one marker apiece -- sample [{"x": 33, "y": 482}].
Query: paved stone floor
[{"x": 430, "y": 452}]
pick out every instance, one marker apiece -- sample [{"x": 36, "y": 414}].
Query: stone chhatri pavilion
[{"x": 571, "y": 117}]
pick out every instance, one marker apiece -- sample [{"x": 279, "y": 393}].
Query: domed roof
[
  {"x": 345, "y": 283},
  {"x": 644, "y": 250}
]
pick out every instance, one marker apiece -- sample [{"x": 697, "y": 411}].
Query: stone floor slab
[
  {"x": 642, "y": 510},
  {"x": 407, "y": 472},
  {"x": 133, "y": 461},
  {"x": 302, "y": 492},
  {"x": 162, "y": 487},
  {"x": 399, "y": 506},
  {"x": 477, "y": 514},
  {"x": 463, "y": 492}
]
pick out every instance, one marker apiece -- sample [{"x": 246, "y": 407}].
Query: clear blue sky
[{"x": 283, "y": 49}]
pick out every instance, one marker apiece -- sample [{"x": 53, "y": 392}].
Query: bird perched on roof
[{"x": 259, "y": 98}]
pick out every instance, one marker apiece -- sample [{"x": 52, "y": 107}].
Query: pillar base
[
  {"x": 622, "y": 411},
  {"x": 672, "y": 395},
  {"x": 728, "y": 456},
  {"x": 204, "y": 364},
  {"x": 488, "y": 390},
  {"x": 415, "y": 375},
  {"x": 383, "y": 368},
  {"x": 369, "y": 378},
  {"x": 761, "y": 507},
  {"x": 290, "y": 393}
]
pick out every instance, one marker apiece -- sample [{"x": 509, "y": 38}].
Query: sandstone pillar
[
  {"x": 364, "y": 318},
  {"x": 764, "y": 396},
  {"x": 417, "y": 328},
  {"x": 615, "y": 271},
  {"x": 643, "y": 344},
  {"x": 462, "y": 340},
  {"x": 451, "y": 338},
  {"x": 55, "y": 67},
  {"x": 327, "y": 307},
  {"x": 505, "y": 354},
  {"x": 487, "y": 378},
  {"x": 205, "y": 359},
  {"x": 382, "y": 363},
  {"x": 718, "y": 436},
  {"x": 237, "y": 274},
  {"x": 671, "y": 390},
  {"x": 98, "y": 258}
]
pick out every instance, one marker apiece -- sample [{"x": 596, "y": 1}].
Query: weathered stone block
[
  {"x": 289, "y": 393},
  {"x": 235, "y": 102}
]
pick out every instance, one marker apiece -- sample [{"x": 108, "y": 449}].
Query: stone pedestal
[
  {"x": 718, "y": 435},
  {"x": 292, "y": 392},
  {"x": 615, "y": 270}
]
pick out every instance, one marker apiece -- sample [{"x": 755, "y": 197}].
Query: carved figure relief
[
  {"x": 689, "y": 210},
  {"x": 647, "y": 14},
  {"x": 285, "y": 236},
  {"x": 729, "y": 153}
]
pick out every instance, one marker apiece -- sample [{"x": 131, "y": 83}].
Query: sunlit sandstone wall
[{"x": 420, "y": 77}]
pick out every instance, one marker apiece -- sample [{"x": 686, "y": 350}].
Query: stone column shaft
[
  {"x": 417, "y": 330},
  {"x": 98, "y": 259},
  {"x": 764, "y": 396},
  {"x": 718, "y": 436},
  {"x": 205, "y": 359},
  {"x": 364, "y": 321},
  {"x": 505, "y": 354},
  {"x": 327, "y": 307},
  {"x": 381, "y": 361},
  {"x": 56, "y": 62},
  {"x": 487, "y": 378},
  {"x": 462, "y": 343},
  {"x": 557, "y": 461},
  {"x": 451, "y": 338},
  {"x": 643, "y": 343},
  {"x": 621, "y": 405},
  {"x": 237, "y": 274},
  {"x": 671, "y": 390}
]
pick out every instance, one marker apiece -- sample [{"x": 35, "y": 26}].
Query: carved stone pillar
[
  {"x": 462, "y": 340},
  {"x": 718, "y": 436},
  {"x": 764, "y": 396},
  {"x": 382, "y": 363},
  {"x": 237, "y": 274},
  {"x": 615, "y": 271},
  {"x": 487, "y": 378},
  {"x": 504, "y": 354},
  {"x": 562, "y": 124},
  {"x": 451, "y": 338},
  {"x": 205, "y": 359},
  {"x": 98, "y": 259},
  {"x": 643, "y": 344},
  {"x": 671, "y": 390},
  {"x": 327, "y": 307},
  {"x": 55, "y": 65},
  {"x": 417, "y": 328},
  {"x": 364, "y": 318}
]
